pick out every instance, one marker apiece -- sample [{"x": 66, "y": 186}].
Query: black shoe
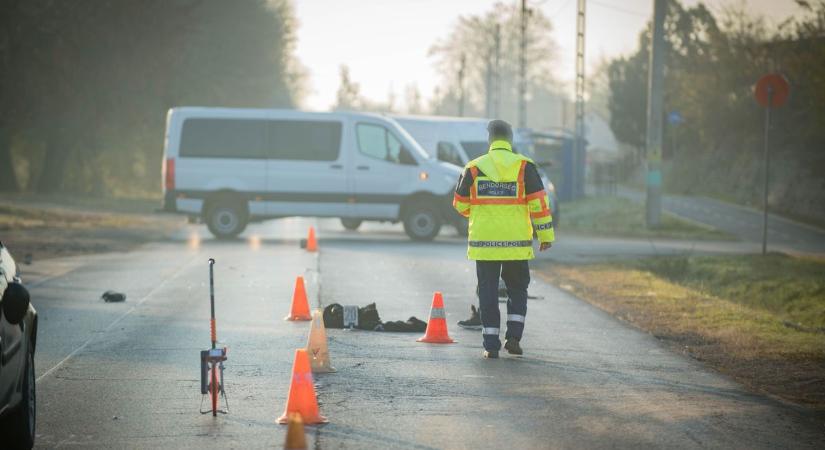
[
  {"x": 513, "y": 346},
  {"x": 490, "y": 354},
  {"x": 417, "y": 324},
  {"x": 474, "y": 322}
]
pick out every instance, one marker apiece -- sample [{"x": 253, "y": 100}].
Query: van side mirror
[
  {"x": 406, "y": 158},
  {"x": 15, "y": 302}
]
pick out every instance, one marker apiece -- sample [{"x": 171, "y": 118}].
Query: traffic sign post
[
  {"x": 674, "y": 119},
  {"x": 771, "y": 91}
]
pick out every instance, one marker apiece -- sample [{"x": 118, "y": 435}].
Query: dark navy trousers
[{"x": 516, "y": 276}]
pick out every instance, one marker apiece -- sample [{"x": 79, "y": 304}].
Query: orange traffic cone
[
  {"x": 301, "y": 398},
  {"x": 317, "y": 346},
  {"x": 437, "y": 325},
  {"x": 300, "y": 307},
  {"x": 295, "y": 438},
  {"x": 312, "y": 244}
]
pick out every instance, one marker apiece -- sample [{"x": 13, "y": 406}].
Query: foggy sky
[{"x": 385, "y": 42}]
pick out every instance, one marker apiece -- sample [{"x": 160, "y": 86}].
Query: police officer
[{"x": 503, "y": 196}]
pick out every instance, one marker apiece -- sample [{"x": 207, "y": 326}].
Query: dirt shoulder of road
[
  {"x": 760, "y": 320},
  {"x": 44, "y": 228},
  {"x": 621, "y": 217}
]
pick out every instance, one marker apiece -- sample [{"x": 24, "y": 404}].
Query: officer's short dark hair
[{"x": 500, "y": 130}]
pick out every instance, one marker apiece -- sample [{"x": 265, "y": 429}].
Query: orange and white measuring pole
[{"x": 212, "y": 329}]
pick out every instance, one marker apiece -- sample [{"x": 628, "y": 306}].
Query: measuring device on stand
[{"x": 212, "y": 360}]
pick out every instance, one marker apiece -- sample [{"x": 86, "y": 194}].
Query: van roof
[
  {"x": 460, "y": 128},
  {"x": 265, "y": 112},
  {"x": 424, "y": 118}
]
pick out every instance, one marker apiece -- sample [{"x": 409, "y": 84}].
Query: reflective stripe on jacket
[{"x": 502, "y": 194}]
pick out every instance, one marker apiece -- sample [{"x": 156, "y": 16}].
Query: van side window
[
  {"x": 223, "y": 138},
  {"x": 377, "y": 142},
  {"x": 304, "y": 140},
  {"x": 448, "y": 153}
]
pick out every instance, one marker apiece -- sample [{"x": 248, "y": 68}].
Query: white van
[
  {"x": 229, "y": 167},
  {"x": 459, "y": 140}
]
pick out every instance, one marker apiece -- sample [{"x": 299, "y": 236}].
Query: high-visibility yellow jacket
[{"x": 503, "y": 196}]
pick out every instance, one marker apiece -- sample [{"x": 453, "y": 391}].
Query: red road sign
[{"x": 773, "y": 86}]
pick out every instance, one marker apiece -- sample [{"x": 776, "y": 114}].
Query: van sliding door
[{"x": 306, "y": 169}]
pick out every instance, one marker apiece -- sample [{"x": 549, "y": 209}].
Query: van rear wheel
[
  {"x": 351, "y": 224},
  {"x": 226, "y": 218},
  {"x": 421, "y": 222}
]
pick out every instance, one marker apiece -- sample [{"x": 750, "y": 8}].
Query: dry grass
[
  {"x": 27, "y": 218},
  {"x": 45, "y": 231},
  {"x": 753, "y": 344}
]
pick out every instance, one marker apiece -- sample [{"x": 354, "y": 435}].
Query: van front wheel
[
  {"x": 226, "y": 218},
  {"x": 421, "y": 222}
]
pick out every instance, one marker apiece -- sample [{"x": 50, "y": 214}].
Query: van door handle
[
  {"x": 336, "y": 166},
  {"x": 363, "y": 167}
]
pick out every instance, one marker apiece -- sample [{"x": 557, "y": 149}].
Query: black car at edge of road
[{"x": 18, "y": 335}]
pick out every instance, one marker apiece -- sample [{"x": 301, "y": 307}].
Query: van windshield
[{"x": 413, "y": 144}]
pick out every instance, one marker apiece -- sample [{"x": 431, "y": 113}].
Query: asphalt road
[
  {"x": 126, "y": 375},
  {"x": 746, "y": 223}
]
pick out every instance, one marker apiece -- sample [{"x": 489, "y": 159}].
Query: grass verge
[
  {"x": 617, "y": 216},
  {"x": 43, "y": 230},
  {"x": 757, "y": 319}
]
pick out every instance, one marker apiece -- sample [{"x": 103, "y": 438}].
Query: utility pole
[
  {"x": 655, "y": 91},
  {"x": 497, "y": 75},
  {"x": 522, "y": 82},
  {"x": 579, "y": 156},
  {"x": 488, "y": 83},
  {"x": 767, "y": 163},
  {"x": 461, "y": 85}
]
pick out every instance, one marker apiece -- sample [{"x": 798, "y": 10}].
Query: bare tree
[{"x": 476, "y": 36}]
